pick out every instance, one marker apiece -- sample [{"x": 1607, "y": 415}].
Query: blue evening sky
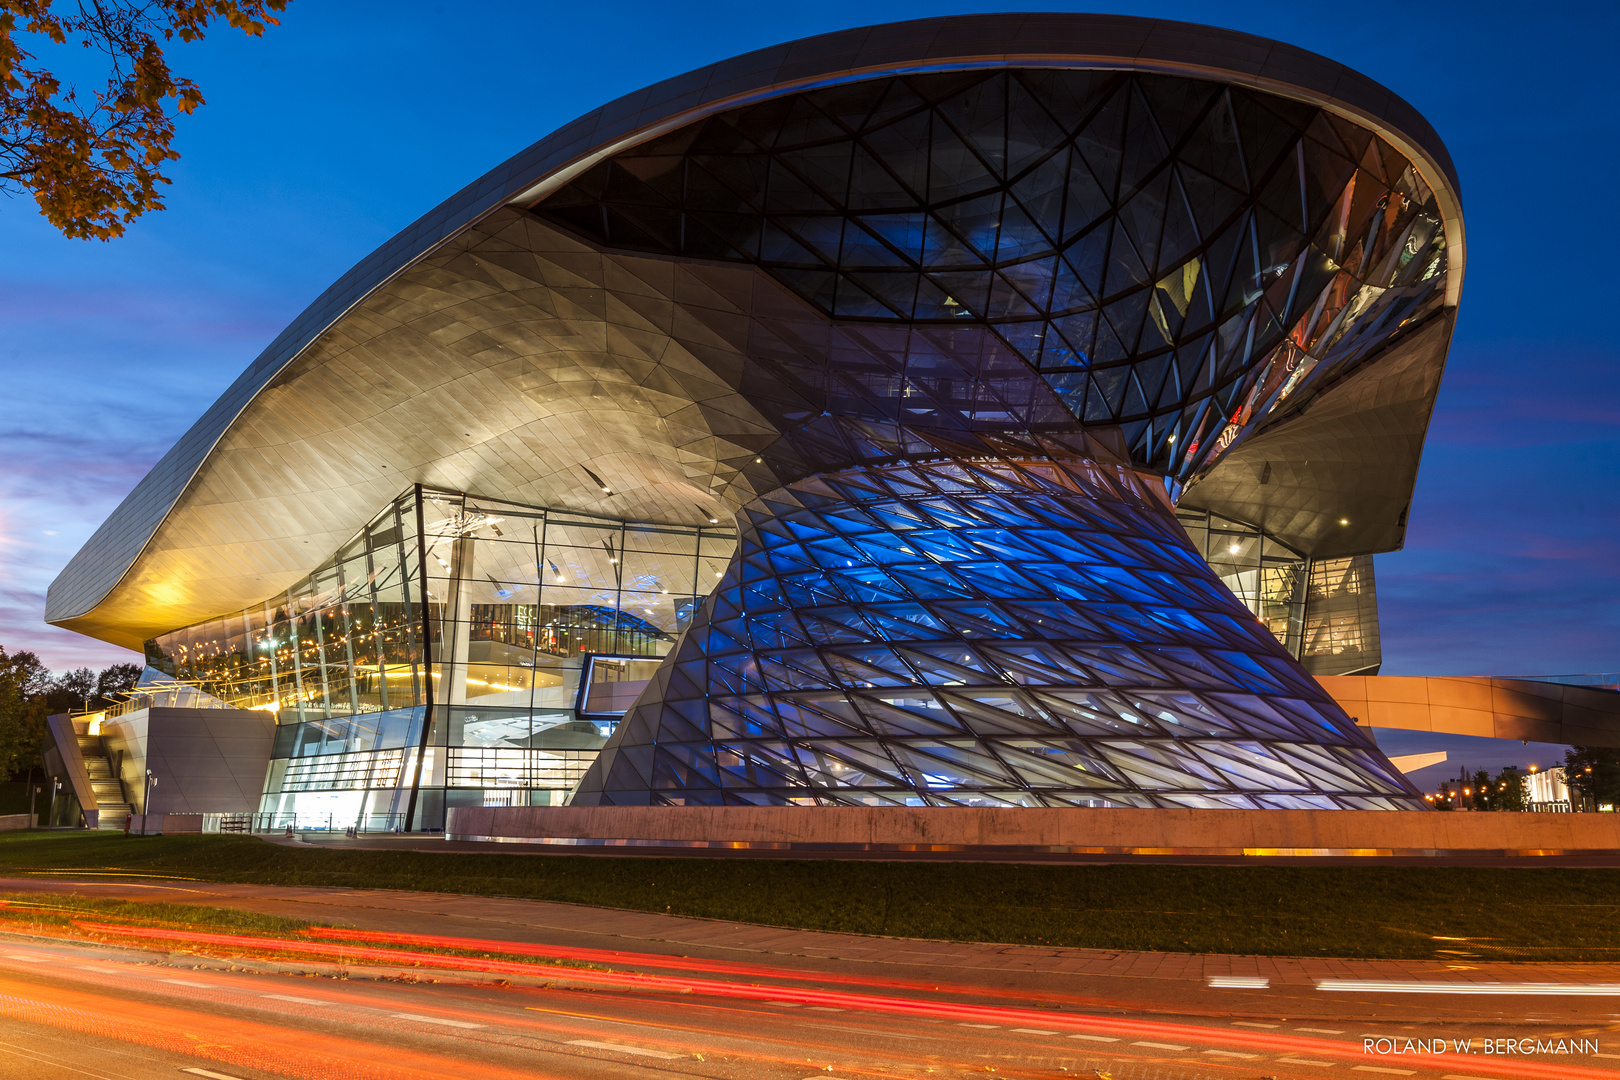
[{"x": 337, "y": 129}]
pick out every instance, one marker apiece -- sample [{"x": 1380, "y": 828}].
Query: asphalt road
[{"x": 72, "y": 1010}]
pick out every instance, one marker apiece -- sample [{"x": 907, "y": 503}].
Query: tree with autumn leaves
[{"x": 93, "y": 157}]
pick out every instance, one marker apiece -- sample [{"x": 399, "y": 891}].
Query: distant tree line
[
  {"x": 29, "y": 692},
  {"x": 1592, "y": 774},
  {"x": 1509, "y": 789}
]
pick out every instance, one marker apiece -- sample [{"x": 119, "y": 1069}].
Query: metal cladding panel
[
  {"x": 970, "y": 42},
  {"x": 1490, "y": 708},
  {"x": 1335, "y": 476}
]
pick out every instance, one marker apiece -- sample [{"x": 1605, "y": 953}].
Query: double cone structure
[
  {"x": 953, "y": 316},
  {"x": 1007, "y": 632}
]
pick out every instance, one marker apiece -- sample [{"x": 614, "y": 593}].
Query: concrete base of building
[
  {"x": 164, "y": 824},
  {"x": 9, "y": 822},
  {"x": 1077, "y": 831}
]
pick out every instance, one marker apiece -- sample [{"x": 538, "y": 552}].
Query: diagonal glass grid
[{"x": 922, "y": 672}]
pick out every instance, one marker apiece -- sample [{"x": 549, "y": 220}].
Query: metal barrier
[{"x": 305, "y": 823}]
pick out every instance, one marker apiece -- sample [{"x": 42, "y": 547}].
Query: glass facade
[
  {"x": 1341, "y": 618},
  {"x": 500, "y": 631},
  {"x": 1266, "y": 576},
  {"x": 987, "y": 633},
  {"x": 1172, "y": 258}
]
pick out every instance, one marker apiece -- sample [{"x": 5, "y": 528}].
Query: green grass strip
[
  {"x": 60, "y": 911},
  {"x": 1406, "y": 912}
]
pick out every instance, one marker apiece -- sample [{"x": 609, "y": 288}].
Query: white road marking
[
  {"x": 1307, "y": 1061},
  {"x": 188, "y": 982},
  {"x": 783, "y": 1004},
  {"x": 28, "y": 959},
  {"x": 1376, "y": 1069},
  {"x": 987, "y": 1027},
  {"x": 1460, "y": 1076},
  {"x": 1033, "y": 1031},
  {"x": 434, "y": 1020},
  {"x": 1161, "y": 1046},
  {"x": 298, "y": 1000},
  {"x": 1239, "y": 982},
  {"x": 622, "y": 1049},
  {"x": 211, "y": 1074},
  {"x": 1322, "y": 1031},
  {"x": 1413, "y": 986},
  {"x": 1253, "y": 1023},
  {"x": 825, "y": 1008},
  {"x": 1232, "y": 1054},
  {"x": 1095, "y": 1038},
  {"x": 99, "y": 970}
]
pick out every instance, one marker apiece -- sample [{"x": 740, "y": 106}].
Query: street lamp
[{"x": 146, "y": 800}]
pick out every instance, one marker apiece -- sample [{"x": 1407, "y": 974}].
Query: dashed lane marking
[
  {"x": 783, "y": 1004},
  {"x": 28, "y": 959},
  {"x": 617, "y": 1048},
  {"x": 1307, "y": 1061},
  {"x": 1253, "y": 1023},
  {"x": 1161, "y": 1046},
  {"x": 211, "y": 1074},
  {"x": 1095, "y": 1038},
  {"x": 434, "y": 1020},
  {"x": 1033, "y": 1031},
  {"x": 1376, "y": 1069},
  {"x": 297, "y": 1000},
  {"x": 1231, "y": 1054},
  {"x": 1322, "y": 1031},
  {"x": 189, "y": 982},
  {"x": 1414, "y": 986},
  {"x": 824, "y": 1008},
  {"x": 986, "y": 1027},
  {"x": 1239, "y": 982}
]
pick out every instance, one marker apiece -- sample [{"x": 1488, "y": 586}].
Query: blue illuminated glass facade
[{"x": 989, "y": 633}]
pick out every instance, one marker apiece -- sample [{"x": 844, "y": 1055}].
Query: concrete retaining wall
[
  {"x": 164, "y": 824},
  {"x": 1077, "y": 831},
  {"x": 9, "y": 822}
]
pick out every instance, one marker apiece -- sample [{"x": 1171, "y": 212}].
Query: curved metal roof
[{"x": 94, "y": 593}]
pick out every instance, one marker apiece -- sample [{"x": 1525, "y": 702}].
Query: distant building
[{"x": 1548, "y": 792}]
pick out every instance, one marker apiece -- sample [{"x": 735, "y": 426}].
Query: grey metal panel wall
[
  {"x": 206, "y": 761},
  {"x": 930, "y": 44}
]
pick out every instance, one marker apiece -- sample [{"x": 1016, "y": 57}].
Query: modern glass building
[{"x": 997, "y": 410}]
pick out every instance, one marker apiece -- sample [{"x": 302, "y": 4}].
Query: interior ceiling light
[
  {"x": 1344, "y": 521},
  {"x": 597, "y": 480},
  {"x": 710, "y": 515},
  {"x": 612, "y": 556}
]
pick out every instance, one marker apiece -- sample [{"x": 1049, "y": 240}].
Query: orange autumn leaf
[{"x": 93, "y": 160}]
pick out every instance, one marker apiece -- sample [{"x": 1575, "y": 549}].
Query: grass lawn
[{"x": 1363, "y": 911}]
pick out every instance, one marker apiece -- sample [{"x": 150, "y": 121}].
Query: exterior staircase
[{"x": 110, "y": 798}]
